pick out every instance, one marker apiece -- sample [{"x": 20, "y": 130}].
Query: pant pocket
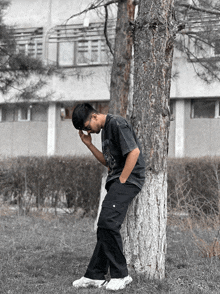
[{"x": 112, "y": 215}]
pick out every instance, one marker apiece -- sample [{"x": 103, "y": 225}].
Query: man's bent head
[{"x": 81, "y": 114}]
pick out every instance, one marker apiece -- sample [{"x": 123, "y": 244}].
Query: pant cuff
[
  {"x": 119, "y": 275},
  {"x": 94, "y": 276}
]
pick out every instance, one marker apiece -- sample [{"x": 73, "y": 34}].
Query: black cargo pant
[{"x": 108, "y": 252}]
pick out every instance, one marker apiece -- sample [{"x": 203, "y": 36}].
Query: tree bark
[{"x": 145, "y": 224}]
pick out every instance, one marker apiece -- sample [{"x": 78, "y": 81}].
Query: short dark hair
[{"x": 81, "y": 114}]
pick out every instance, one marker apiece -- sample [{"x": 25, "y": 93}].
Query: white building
[{"x": 77, "y": 47}]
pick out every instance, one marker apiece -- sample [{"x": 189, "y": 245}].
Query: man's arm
[
  {"x": 130, "y": 162},
  {"x": 87, "y": 140}
]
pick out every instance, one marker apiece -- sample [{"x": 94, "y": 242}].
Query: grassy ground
[{"x": 42, "y": 253}]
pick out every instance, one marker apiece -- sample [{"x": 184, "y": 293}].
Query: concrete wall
[
  {"x": 92, "y": 84},
  {"x": 23, "y": 138},
  {"x": 202, "y": 137},
  {"x": 190, "y": 137},
  {"x": 31, "y": 137},
  {"x": 69, "y": 143},
  {"x": 188, "y": 84}
]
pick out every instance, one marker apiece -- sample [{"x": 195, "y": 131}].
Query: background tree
[
  {"x": 199, "y": 38},
  {"x": 19, "y": 72},
  {"x": 121, "y": 69}
]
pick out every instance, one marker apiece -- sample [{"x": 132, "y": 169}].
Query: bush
[
  {"x": 194, "y": 184},
  {"x": 79, "y": 178}
]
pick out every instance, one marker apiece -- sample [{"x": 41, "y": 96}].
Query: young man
[{"x": 121, "y": 153}]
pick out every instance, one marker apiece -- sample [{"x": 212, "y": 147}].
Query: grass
[{"x": 41, "y": 253}]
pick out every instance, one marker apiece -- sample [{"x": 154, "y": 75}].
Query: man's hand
[
  {"x": 122, "y": 180},
  {"x": 86, "y": 139}
]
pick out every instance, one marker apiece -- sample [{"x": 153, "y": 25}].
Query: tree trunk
[
  {"x": 145, "y": 224},
  {"x": 101, "y": 197},
  {"x": 120, "y": 75}
]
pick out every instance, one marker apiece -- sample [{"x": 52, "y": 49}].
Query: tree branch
[
  {"x": 193, "y": 32},
  {"x": 201, "y": 40},
  {"x": 92, "y": 7},
  {"x": 105, "y": 30},
  {"x": 210, "y": 11},
  {"x": 201, "y": 63}
]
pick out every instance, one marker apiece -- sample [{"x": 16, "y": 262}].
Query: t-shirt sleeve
[{"x": 126, "y": 139}]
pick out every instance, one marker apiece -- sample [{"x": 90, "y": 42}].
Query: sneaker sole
[
  {"x": 90, "y": 285},
  {"x": 121, "y": 288}
]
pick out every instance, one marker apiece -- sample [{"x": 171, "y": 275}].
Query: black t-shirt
[{"x": 118, "y": 139}]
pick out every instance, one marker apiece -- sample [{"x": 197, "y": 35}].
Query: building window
[
  {"x": 66, "y": 54},
  {"x": 101, "y": 107},
  {"x": 200, "y": 49},
  {"x": 39, "y": 112},
  {"x": 80, "y": 46},
  {"x": 82, "y": 52},
  {"x": 204, "y": 108},
  {"x": 7, "y": 113},
  {"x": 66, "y": 112},
  {"x": 29, "y": 41},
  {"x": 204, "y": 38},
  {"x": 172, "y": 103},
  {"x": 24, "y": 113},
  {"x": 91, "y": 52},
  {"x": 203, "y": 49},
  {"x": 172, "y": 109}
]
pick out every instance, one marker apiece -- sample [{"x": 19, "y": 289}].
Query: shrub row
[
  {"x": 193, "y": 184},
  {"x": 79, "y": 178}
]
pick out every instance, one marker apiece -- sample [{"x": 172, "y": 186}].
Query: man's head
[{"x": 86, "y": 118}]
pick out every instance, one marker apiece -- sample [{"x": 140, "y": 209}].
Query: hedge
[
  {"x": 79, "y": 178},
  {"x": 193, "y": 184}
]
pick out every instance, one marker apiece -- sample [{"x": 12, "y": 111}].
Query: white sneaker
[
  {"x": 118, "y": 284},
  {"x": 86, "y": 282}
]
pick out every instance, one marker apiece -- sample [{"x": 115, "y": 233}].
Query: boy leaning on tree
[{"x": 121, "y": 153}]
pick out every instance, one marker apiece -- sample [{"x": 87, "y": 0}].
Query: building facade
[{"x": 76, "y": 46}]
